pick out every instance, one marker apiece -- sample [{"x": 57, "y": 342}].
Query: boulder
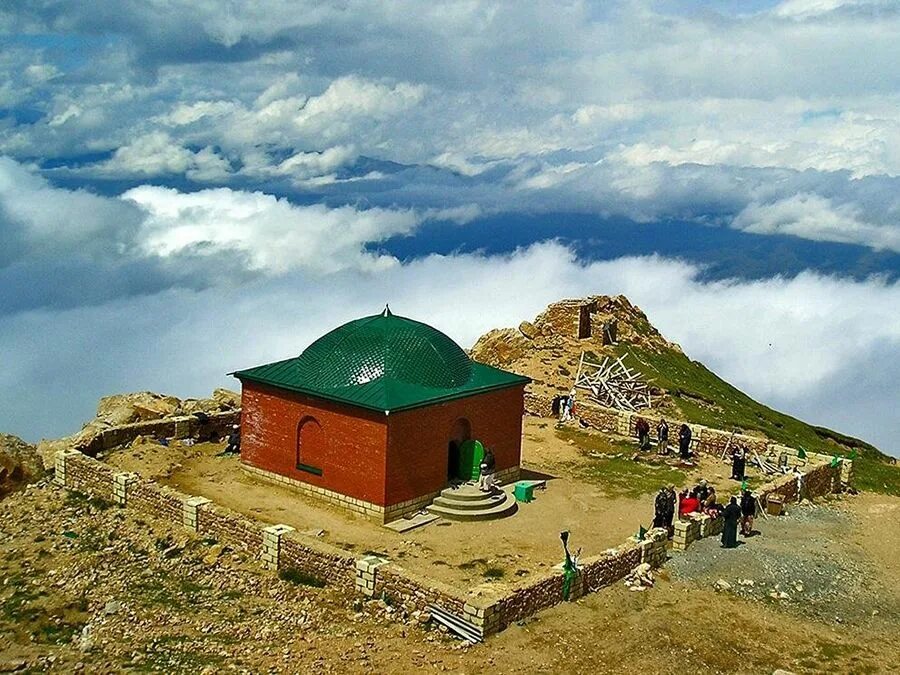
[
  {"x": 529, "y": 330},
  {"x": 136, "y": 407},
  {"x": 227, "y": 399},
  {"x": 20, "y": 463}
]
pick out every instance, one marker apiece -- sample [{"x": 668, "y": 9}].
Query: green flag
[
  {"x": 745, "y": 485},
  {"x": 852, "y": 454},
  {"x": 801, "y": 453},
  {"x": 835, "y": 461},
  {"x": 641, "y": 533}
]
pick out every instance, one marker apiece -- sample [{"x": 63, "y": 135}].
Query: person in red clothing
[{"x": 688, "y": 504}]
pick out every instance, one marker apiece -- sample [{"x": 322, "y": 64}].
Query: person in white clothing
[{"x": 486, "y": 481}]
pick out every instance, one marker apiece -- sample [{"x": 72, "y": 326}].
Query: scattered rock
[
  {"x": 529, "y": 330},
  {"x": 112, "y": 607},
  {"x": 722, "y": 585}
]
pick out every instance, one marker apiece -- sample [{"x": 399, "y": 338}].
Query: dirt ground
[
  {"x": 491, "y": 555},
  {"x": 89, "y": 588},
  {"x": 456, "y": 552}
]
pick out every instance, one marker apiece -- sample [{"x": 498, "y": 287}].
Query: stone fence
[
  {"x": 279, "y": 546},
  {"x": 818, "y": 481},
  {"x": 704, "y": 439},
  {"x": 218, "y": 425}
]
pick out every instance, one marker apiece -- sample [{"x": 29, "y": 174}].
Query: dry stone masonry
[{"x": 280, "y": 547}]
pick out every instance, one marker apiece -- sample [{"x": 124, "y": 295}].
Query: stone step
[
  {"x": 486, "y": 502},
  {"x": 501, "y": 510},
  {"x": 464, "y": 492}
]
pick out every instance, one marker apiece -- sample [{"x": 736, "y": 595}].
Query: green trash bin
[{"x": 523, "y": 492}]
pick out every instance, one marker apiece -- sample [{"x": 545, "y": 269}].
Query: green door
[{"x": 470, "y": 455}]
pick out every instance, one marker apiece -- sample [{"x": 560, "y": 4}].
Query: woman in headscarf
[{"x": 732, "y": 517}]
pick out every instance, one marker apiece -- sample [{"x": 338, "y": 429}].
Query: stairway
[{"x": 467, "y": 502}]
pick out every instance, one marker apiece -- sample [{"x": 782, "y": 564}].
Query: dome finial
[{"x": 387, "y": 310}]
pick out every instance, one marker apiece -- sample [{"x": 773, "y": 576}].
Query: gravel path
[{"x": 805, "y": 562}]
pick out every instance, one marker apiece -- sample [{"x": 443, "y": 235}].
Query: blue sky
[{"x": 189, "y": 188}]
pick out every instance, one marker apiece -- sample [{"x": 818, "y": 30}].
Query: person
[
  {"x": 710, "y": 505},
  {"x": 234, "y": 441},
  {"x": 643, "y": 432},
  {"x": 702, "y": 490},
  {"x": 670, "y": 512},
  {"x": 748, "y": 510},
  {"x": 662, "y": 437},
  {"x": 486, "y": 481},
  {"x": 570, "y": 405},
  {"x": 554, "y": 406},
  {"x": 684, "y": 441},
  {"x": 564, "y": 408},
  {"x": 738, "y": 463},
  {"x": 660, "y": 507},
  {"x": 729, "y": 531},
  {"x": 689, "y": 504}
]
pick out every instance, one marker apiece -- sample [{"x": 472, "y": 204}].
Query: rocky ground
[
  {"x": 20, "y": 464},
  {"x": 88, "y": 587},
  {"x": 142, "y": 406}
]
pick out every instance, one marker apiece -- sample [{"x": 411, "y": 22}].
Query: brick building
[{"x": 376, "y": 416}]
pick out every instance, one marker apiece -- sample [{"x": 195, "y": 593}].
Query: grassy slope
[{"x": 704, "y": 398}]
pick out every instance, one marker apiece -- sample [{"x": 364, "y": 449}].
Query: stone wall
[
  {"x": 279, "y": 547},
  {"x": 85, "y": 475},
  {"x": 186, "y": 426},
  {"x": 817, "y": 481},
  {"x": 706, "y": 440}
]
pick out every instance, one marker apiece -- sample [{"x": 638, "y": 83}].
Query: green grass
[
  {"x": 494, "y": 573},
  {"x": 595, "y": 442},
  {"x": 295, "y": 576},
  {"x": 704, "y": 398},
  {"x": 614, "y": 470}
]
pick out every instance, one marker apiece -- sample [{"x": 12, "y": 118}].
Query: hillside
[{"x": 548, "y": 350}]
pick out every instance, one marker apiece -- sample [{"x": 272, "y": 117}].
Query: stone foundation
[
  {"x": 280, "y": 547},
  {"x": 704, "y": 440}
]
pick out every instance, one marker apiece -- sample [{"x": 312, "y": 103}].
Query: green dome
[
  {"x": 385, "y": 346},
  {"x": 383, "y": 362}
]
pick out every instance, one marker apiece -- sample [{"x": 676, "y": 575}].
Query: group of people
[
  {"x": 738, "y": 513},
  {"x": 642, "y": 427},
  {"x": 702, "y": 498},
  {"x": 564, "y": 405}
]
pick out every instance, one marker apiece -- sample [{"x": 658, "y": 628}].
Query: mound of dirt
[{"x": 20, "y": 464}]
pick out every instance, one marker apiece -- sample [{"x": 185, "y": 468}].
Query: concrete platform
[{"x": 467, "y": 502}]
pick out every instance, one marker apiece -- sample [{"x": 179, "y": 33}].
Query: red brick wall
[
  {"x": 418, "y": 438},
  {"x": 352, "y": 457}
]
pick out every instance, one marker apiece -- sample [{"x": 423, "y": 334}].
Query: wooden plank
[{"x": 457, "y": 625}]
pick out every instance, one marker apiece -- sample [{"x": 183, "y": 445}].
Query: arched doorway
[
  {"x": 310, "y": 446},
  {"x": 459, "y": 434}
]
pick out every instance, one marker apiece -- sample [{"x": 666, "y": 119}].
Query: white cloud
[
  {"x": 813, "y": 217},
  {"x": 784, "y": 341},
  {"x": 156, "y": 154},
  {"x": 52, "y": 221},
  {"x": 274, "y": 235}
]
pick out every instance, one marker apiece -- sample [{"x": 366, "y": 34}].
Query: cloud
[
  {"x": 784, "y": 341},
  {"x": 274, "y": 235},
  {"x": 813, "y": 217}
]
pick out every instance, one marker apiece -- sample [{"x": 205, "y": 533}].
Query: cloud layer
[
  {"x": 188, "y": 187},
  {"x": 788, "y": 342}
]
